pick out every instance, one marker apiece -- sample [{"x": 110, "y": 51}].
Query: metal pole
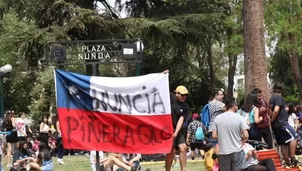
[
  {"x": 97, "y": 154},
  {"x": 1, "y": 98},
  {"x": 137, "y": 69}
]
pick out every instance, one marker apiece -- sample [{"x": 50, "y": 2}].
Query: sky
[{"x": 122, "y": 14}]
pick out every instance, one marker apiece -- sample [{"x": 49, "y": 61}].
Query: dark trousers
[
  {"x": 259, "y": 133},
  {"x": 61, "y": 150},
  {"x": 266, "y": 134},
  {"x": 263, "y": 165}
]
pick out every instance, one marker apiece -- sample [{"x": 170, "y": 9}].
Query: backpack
[
  {"x": 205, "y": 116},
  {"x": 199, "y": 135}
]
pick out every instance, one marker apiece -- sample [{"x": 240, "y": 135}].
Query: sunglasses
[{"x": 183, "y": 95}]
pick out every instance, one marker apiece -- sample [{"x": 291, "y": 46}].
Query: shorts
[
  {"x": 21, "y": 139},
  {"x": 47, "y": 166},
  {"x": 232, "y": 162},
  {"x": 12, "y": 138},
  {"x": 179, "y": 139},
  {"x": 285, "y": 134},
  {"x": 135, "y": 163},
  {"x": 200, "y": 146}
]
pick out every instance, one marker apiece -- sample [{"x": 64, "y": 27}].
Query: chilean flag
[{"x": 114, "y": 114}]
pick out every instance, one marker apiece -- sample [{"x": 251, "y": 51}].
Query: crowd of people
[
  {"x": 26, "y": 148},
  {"x": 229, "y": 127},
  {"x": 224, "y": 135}
]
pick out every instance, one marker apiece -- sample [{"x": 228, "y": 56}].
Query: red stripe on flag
[{"x": 89, "y": 130}]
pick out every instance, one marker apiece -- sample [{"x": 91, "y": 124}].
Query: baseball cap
[
  {"x": 195, "y": 115},
  {"x": 181, "y": 90}
]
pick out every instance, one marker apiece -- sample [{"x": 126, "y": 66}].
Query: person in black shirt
[
  {"x": 285, "y": 135},
  {"x": 180, "y": 112}
]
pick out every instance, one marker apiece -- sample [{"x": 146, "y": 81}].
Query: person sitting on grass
[
  {"x": 131, "y": 160},
  {"x": 44, "y": 160},
  {"x": 115, "y": 160},
  {"x": 21, "y": 155}
]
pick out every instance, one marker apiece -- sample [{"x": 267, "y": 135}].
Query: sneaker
[
  {"x": 294, "y": 162},
  {"x": 60, "y": 161}
]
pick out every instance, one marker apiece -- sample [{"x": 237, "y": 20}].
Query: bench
[{"x": 273, "y": 154}]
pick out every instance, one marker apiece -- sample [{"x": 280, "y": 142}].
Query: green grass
[{"x": 81, "y": 163}]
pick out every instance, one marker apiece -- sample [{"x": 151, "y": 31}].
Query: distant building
[{"x": 239, "y": 82}]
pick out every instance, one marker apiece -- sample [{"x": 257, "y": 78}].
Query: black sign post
[{"x": 94, "y": 52}]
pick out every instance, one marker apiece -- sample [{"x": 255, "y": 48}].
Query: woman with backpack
[{"x": 195, "y": 135}]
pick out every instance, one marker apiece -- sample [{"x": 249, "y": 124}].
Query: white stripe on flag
[{"x": 142, "y": 95}]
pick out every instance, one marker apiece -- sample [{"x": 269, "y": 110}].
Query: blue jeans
[{"x": 47, "y": 165}]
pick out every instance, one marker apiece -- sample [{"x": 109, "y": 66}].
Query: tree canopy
[{"x": 199, "y": 41}]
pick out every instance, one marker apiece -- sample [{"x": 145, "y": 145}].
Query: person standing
[
  {"x": 195, "y": 143},
  {"x": 12, "y": 138},
  {"x": 230, "y": 129},
  {"x": 44, "y": 129},
  {"x": 293, "y": 120},
  {"x": 61, "y": 150},
  {"x": 285, "y": 135},
  {"x": 262, "y": 119},
  {"x": 180, "y": 112},
  {"x": 216, "y": 107},
  {"x": 21, "y": 127}
]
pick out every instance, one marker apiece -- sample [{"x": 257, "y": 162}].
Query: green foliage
[
  {"x": 177, "y": 36},
  {"x": 43, "y": 94},
  {"x": 283, "y": 18},
  {"x": 294, "y": 99}
]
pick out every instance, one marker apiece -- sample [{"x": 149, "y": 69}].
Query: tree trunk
[
  {"x": 231, "y": 74},
  {"x": 294, "y": 62},
  {"x": 255, "y": 62}
]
